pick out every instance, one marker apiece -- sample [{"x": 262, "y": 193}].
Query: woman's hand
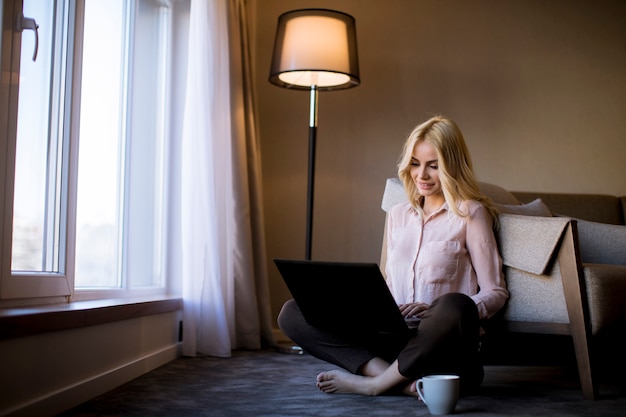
[{"x": 413, "y": 309}]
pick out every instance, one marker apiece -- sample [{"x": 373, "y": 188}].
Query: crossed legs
[{"x": 447, "y": 341}]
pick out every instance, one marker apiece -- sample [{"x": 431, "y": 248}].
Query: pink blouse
[{"x": 444, "y": 253}]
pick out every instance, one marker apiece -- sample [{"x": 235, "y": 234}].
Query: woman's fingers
[{"x": 413, "y": 309}]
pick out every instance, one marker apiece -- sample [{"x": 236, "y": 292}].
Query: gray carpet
[{"x": 268, "y": 383}]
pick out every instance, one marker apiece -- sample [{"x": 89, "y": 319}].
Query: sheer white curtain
[{"x": 225, "y": 291}]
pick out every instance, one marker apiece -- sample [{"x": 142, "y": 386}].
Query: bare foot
[{"x": 344, "y": 382}]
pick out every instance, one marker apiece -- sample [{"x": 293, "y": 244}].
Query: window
[{"x": 88, "y": 125}]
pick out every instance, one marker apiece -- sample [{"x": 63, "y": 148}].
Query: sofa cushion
[
  {"x": 497, "y": 194},
  {"x": 591, "y": 207},
  {"x": 601, "y": 243},
  {"x": 395, "y": 194},
  {"x": 605, "y": 286},
  {"x": 534, "y": 208}
]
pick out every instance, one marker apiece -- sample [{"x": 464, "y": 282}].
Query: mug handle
[{"x": 419, "y": 385}]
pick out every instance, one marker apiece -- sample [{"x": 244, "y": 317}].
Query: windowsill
[{"x": 28, "y": 321}]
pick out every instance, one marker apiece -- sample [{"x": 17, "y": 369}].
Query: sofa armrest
[
  {"x": 557, "y": 294},
  {"x": 529, "y": 247},
  {"x": 528, "y": 243}
]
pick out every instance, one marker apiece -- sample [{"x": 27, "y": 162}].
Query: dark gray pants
[{"x": 446, "y": 341}]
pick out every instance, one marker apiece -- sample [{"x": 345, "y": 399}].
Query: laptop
[{"x": 350, "y": 298}]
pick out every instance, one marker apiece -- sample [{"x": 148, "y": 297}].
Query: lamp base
[{"x": 289, "y": 348}]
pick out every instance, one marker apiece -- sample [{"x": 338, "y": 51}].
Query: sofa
[{"x": 564, "y": 260}]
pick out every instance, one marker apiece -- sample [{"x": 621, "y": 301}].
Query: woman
[{"x": 443, "y": 267}]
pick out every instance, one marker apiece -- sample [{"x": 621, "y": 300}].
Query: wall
[
  {"x": 47, "y": 373},
  {"x": 538, "y": 88}
]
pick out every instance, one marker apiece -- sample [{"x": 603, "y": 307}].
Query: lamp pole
[{"x": 311, "y": 182}]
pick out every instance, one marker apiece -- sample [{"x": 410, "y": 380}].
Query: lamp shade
[{"x": 315, "y": 47}]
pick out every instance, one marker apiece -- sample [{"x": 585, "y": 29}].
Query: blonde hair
[{"x": 456, "y": 173}]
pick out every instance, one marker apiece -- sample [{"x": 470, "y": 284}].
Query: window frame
[{"x": 27, "y": 285}]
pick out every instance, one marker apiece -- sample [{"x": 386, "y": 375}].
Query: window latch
[{"x": 29, "y": 23}]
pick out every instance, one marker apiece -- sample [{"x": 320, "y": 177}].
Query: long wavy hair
[{"x": 456, "y": 173}]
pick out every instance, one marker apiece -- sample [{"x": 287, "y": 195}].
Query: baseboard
[{"x": 70, "y": 396}]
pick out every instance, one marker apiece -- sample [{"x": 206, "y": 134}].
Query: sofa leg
[
  {"x": 585, "y": 370},
  {"x": 576, "y": 300}
]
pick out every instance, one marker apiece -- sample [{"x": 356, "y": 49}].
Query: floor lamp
[{"x": 315, "y": 50}]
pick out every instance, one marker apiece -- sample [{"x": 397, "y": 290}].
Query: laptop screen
[{"x": 343, "y": 296}]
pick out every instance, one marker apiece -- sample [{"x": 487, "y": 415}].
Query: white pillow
[{"x": 534, "y": 208}]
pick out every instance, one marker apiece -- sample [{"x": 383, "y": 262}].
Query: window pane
[
  {"x": 122, "y": 139},
  {"x": 146, "y": 168},
  {"x": 101, "y": 149},
  {"x": 37, "y": 207}
]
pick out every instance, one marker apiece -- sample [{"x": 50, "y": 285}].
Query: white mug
[{"x": 440, "y": 393}]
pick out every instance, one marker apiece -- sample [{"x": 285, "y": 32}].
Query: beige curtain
[
  {"x": 251, "y": 281},
  {"x": 225, "y": 289}
]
